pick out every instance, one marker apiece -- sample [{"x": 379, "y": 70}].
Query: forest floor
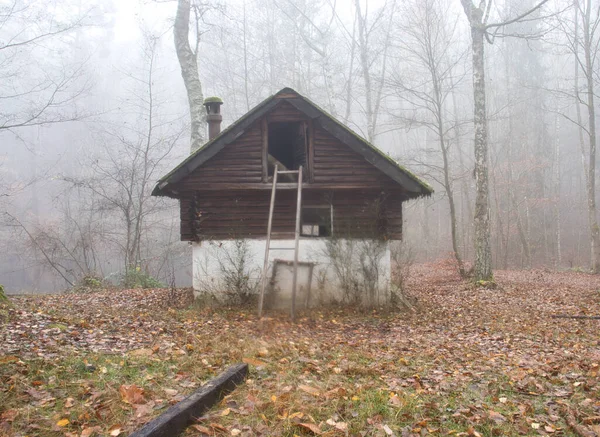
[{"x": 468, "y": 362}]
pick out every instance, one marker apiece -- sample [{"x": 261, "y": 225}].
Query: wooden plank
[
  {"x": 179, "y": 416},
  {"x": 222, "y": 186},
  {"x": 311, "y": 152},
  {"x": 265, "y": 149}
]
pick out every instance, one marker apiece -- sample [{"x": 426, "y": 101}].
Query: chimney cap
[{"x": 216, "y": 100}]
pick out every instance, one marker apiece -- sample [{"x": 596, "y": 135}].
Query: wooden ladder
[{"x": 268, "y": 247}]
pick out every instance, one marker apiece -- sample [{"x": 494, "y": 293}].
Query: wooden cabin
[{"x": 351, "y": 191}]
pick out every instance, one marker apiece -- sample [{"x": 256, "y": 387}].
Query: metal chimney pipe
[{"x": 213, "y": 116}]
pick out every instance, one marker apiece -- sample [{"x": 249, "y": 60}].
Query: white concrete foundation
[{"x": 213, "y": 261}]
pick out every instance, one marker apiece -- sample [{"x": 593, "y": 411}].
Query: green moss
[
  {"x": 3, "y": 298},
  {"x": 213, "y": 100}
]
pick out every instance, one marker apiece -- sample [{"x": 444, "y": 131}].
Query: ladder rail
[
  {"x": 297, "y": 243},
  {"x": 268, "y": 243}
]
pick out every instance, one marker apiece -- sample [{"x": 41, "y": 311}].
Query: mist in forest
[{"x": 93, "y": 111}]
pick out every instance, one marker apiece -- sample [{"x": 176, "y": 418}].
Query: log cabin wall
[
  {"x": 215, "y": 215},
  {"x": 228, "y": 196},
  {"x": 336, "y": 163}
]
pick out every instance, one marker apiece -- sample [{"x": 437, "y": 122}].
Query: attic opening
[{"x": 287, "y": 146}]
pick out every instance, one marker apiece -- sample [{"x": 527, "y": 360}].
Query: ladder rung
[
  {"x": 281, "y": 248},
  {"x": 287, "y": 171}
]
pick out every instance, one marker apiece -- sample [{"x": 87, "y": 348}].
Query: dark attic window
[
  {"x": 287, "y": 146},
  {"x": 316, "y": 221}
]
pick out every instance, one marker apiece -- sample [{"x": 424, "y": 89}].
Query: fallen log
[
  {"x": 564, "y": 316},
  {"x": 179, "y": 416}
]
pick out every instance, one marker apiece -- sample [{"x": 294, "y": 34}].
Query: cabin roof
[{"x": 414, "y": 186}]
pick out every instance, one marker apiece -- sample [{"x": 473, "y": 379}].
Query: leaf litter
[{"x": 469, "y": 362}]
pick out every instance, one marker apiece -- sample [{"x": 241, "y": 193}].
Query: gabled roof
[{"x": 414, "y": 186}]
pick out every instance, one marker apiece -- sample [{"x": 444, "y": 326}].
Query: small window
[
  {"x": 316, "y": 221},
  {"x": 287, "y": 146}
]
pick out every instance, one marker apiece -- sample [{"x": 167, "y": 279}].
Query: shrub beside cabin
[{"x": 351, "y": 212}]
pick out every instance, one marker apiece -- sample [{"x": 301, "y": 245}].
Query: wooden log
[{"x": 179, "y": 416}]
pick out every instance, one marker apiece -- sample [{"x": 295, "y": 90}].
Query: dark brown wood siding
[
  {"x": 227, "y": 197},
  {"x": 240, "y": 162},
  {"x": 244, "y": 214},
  {"x": 335, "y": 162}
]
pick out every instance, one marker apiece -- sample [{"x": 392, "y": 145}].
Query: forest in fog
[{"x": 93, "y": 111}]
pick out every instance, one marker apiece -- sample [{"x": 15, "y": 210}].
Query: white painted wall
[{"x": 208, "y": 255}]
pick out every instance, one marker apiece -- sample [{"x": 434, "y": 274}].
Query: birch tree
[
  {"x": 188, "y": 61},
  {"x": 481, "y": 30}
]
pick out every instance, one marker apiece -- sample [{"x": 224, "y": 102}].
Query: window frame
[{"x": 317, "y": 206}]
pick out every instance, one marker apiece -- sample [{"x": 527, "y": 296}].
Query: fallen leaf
[
  {"x": 310, "y": 390},
  {"x": 310, "y": 427},
  {"x": 62, "y": 422},
  {"x": 115, "y": 430},
  {"x": 203, "y": 429},
  {"x": 89, "y": 432},
  {"x": 144, "y": 352},
  {"x": 496, "y": 417},
  {"x": 132, "y": 394},
  {"x": 69, "y": 402},
  {"x": 8, "y": 359},
  {"x": 253, "y": 361},
  {"x": 9, "y": 415}
]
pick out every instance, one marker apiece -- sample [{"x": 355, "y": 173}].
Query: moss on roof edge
[
  {"x": 376, "y": 149},
  {"x": 428, "y": 188}
]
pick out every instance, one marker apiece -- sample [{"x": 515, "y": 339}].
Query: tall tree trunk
[
  {"x": 364, "y": 61},
  {"x": 483, "y": 253},
  {"x": 350, "y": 73},
  {"x": 578, "y": 113},
  {"x": 447, "y": 183},
  {"x": 591, "y": 186},
  {"x": 189, "y": 71},
  {"x": 466, "y": 199},
  {"x": 557, "y": 217}
]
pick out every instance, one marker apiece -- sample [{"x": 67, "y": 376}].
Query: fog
[{"x": 83, "y": 85}]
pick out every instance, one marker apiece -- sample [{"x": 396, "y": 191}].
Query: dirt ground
[{"x": 469, "y": 361}]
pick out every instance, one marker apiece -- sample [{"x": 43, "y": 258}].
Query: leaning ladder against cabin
[{"x": 268, "y": 247}]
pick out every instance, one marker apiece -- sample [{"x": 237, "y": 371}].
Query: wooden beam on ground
[{"x": 179, "y": 416}]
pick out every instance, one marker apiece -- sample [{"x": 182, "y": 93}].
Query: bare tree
[
  {"x": 428, "y": 47},
  {"x": 581, "y": 40},
  {"x": 478, "y": 16},
  {"x": 369, "y": 50},
  {"x": 33, "y": 91},
  {"x": 129, "y": 161}
]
